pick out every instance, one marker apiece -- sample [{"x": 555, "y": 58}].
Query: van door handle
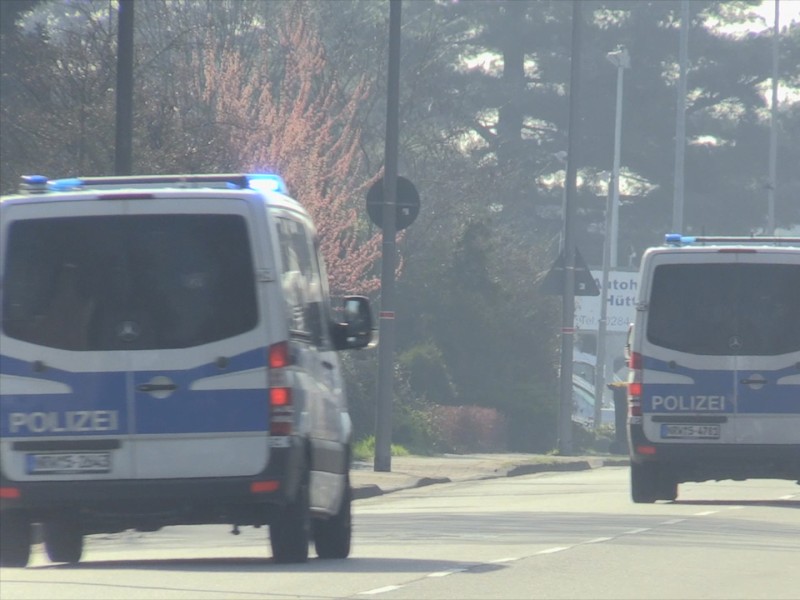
[
  {"x": 753, "y": 381},
  {"x": 156, "y": 387}
]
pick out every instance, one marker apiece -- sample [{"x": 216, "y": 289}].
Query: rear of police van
[
  {"x": 134, "y": 349},
  {"x": 715, "y": 364}
]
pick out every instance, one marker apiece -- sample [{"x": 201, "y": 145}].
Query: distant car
[{"x": 583, "y": 404}]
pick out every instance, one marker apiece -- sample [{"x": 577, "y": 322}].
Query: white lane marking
[
  {"x": 553, "y": 550},
  {"x": 789, "y": 497},
  {"x": 380, "y": 590},
  {"x": 705, "y": 513},
  {"x": 635, "y": 531},
  {"x": 445, "y": 573},
  {"x": 598, "y": 540},
  {"x": 504, "y": 560},
  {"x": 735, "y": 507},
  {"x": 672, "y": 522}
]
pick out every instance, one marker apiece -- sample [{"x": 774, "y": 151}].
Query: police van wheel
[
  {"x": 63, "y": 539},
  {"x": 332, "y": 536},
  {"x": 643, "y": 483},
  {"x": 290, "y": 530},
  {"x": 15, "y": 541},
  {"x": 667, "y": 487}
]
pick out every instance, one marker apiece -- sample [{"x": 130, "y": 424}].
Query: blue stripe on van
[
  {"x": 96, "y": 406},
  {"x": 98, "y": 402},
  {"x": 712, "y": 391}
]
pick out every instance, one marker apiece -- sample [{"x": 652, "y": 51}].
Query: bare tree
[{"x": 286, "y": 115}]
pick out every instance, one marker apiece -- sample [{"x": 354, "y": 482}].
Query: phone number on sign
[{"x": 590, "y": 322}]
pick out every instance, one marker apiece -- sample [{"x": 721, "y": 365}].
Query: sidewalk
[{"x": 417, "y": 471}]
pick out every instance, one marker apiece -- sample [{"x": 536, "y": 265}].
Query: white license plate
[
  {"x": 689, "y": 431},
  {"x": 68, "y": 462}
]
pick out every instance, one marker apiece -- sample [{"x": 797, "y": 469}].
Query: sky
[{"x": 789, "y": 11}]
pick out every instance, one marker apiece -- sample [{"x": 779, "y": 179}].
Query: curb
[{"x": 371, "y": 490}]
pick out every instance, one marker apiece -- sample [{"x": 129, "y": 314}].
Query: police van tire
[
  {"x": 667, "y": 487},
  {"x": 290, "y": 530},
  {"x": 332, "y": 536},
  {"x": 643, "y": 483},
  {"x": 15, "y": 541},
  {"x": 63, "y": 539}
]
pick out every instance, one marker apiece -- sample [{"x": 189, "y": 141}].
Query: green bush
[{"x": 364, "y": 449}]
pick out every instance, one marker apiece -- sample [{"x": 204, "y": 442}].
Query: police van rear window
[
  {"x": 128, "y": 282},
  {"x": 726, "y": 309}
]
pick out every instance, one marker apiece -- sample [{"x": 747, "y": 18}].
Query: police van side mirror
[{"x": 357, "y": 329}]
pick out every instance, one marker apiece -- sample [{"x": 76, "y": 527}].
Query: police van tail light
[
  {"x": 635, "y": 385},
  {"x": 280, "y": 392},
  {"x": 9, "y": 493}
]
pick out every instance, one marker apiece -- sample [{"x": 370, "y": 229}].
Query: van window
[
  {"x": 301, "y": 281},
  {"x": 133, "y": 282},
  {"x": 726, "y": 309}
]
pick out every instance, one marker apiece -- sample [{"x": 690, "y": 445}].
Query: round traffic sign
[{"x": 406, "y": 200}]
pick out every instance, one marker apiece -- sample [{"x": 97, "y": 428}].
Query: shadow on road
[{"x": 252, "y": 564}]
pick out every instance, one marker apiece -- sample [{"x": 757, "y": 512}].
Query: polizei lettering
[
  {"x": 72, "y": 421},
  {"x": 689, "y": 403}
]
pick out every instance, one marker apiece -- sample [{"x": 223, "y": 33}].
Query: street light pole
[
  {"x": 773, "y": 126},
  {"x": 680, "y": 122},
  {"x": 568, "y": 297},
  {"x": 620, "y": 59}
]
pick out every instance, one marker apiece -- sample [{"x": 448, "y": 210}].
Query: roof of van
[
  {"x": 37, "y": 188},
  {"x": 676, "y": 240}
]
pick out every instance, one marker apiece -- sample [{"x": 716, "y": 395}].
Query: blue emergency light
[{"x": 262, "y": 182}]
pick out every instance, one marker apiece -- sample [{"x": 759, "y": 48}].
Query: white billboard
[{"x": 620, "y": 298}]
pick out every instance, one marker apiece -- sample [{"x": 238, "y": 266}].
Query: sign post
[{"x": 383, "y": 417}]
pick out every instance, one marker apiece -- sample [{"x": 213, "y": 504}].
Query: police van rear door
[
  {"x": 152, "y": 363},
  {"x": 198, "y": 364},
  {"x": 723, "y": 345},
  {"x": 64, "y": 402},
  {"x": 688, "y": 351},
  {"x": 767, "y": 343}
]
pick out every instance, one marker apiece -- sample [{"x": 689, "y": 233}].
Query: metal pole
[
  {"x": 383, "y": 429},
  {"x": 123, "y": 143},
  {"x": 568, "y": 298},
  {"x": 600, "y": 363},
  {"x": 621, "y": 60},
  {"x": 773, "y": 127},
  {"x": 680, "y": 122}
]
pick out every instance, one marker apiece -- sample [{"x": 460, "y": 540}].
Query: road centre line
[
  {"x": 552, "y": 550},
  {"x": 556, "y": 549},
  {"x": 504, "y": 560},
  {"x": 635, "y": 531},
  {"x": 380, "y": 590},
  {"x": 445, "y": 573}
]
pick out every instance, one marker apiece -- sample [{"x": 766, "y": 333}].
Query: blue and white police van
[
  {"x": 714, "y": 357},
  {"x": 168, "y": 356}
]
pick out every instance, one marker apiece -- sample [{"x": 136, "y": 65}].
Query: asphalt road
[{"x": 546, "y": 535}]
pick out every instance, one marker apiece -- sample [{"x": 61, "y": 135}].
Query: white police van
[
  {"x": 714, "y": 355},
  {"x": 168, "y": 356}
]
